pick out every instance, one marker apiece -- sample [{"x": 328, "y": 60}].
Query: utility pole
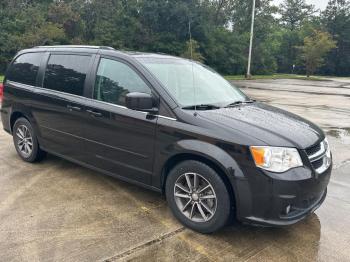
[{"x": 249, "y": 75}]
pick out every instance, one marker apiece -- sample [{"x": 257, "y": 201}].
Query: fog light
[{"x": 287, "y": 210}]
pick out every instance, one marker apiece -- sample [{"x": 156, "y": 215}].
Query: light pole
[{"x": 249, "y": 75}]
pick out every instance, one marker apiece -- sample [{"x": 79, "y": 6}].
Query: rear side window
[
  {"x": 67, "y": 73},
  {"x": 25, "y": 68}
]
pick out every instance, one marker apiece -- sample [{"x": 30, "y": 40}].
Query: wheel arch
[
  {"x": 15, "y": 116},
  {"x": 18, "y": 110},
  {"x": 219, "y": 160}
]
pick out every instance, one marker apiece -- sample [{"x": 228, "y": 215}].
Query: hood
[{"x": 270, "y": 125}]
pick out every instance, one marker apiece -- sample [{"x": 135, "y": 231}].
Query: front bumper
[
  {"x": 283, "y": 199},
  {"x": 293, "y": 217}
]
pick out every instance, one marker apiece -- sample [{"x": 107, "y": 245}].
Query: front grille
[
  {"x": 312, "y": 150},
  {"x": 317, "y": 164},
  {"x": 319, "y": 156}
]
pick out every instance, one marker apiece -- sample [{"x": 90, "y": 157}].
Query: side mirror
[{"x": 141, "y": 102}]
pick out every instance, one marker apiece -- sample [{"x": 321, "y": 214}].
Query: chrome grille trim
[
  {"x": 323, "y": 168},
  {"x": 325, "y": 154},
  {"x": 319, "y": 153}
]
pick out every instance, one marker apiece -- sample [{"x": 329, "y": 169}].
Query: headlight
[{"x": 276, "y": 159}]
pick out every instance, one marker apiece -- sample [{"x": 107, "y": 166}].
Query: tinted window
[
  {"x": 67, "y": 73},
  {"x": 25, "y": 68},
  {"x": 114, "y": 80}
]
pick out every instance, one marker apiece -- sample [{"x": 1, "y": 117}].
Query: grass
[
  {"x": 275, "y": 76},
  {"x": 1, "y": 78}
]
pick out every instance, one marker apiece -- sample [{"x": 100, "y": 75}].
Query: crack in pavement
[
  {"x": 345, "y": 162},
  {"x": 11, "y": 198},
  {"x": 144, "y": 245}
]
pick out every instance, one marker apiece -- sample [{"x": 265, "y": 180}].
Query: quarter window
[
  {"x": 25, "y": 68},
  {"x": 114, "y": 80},
  {"x": 67, "y": 73}
]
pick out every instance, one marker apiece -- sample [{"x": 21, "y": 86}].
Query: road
[{"x": 58, "y": 211}]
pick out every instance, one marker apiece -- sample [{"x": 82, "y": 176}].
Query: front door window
[{"x": 114, "y": 80}]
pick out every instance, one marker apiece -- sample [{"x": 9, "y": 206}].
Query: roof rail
[{"x": 75, "y": 46}]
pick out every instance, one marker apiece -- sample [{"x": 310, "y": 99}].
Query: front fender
[
  {"x": 213, "y": 153},
  {"x": 185, "y": 149}
]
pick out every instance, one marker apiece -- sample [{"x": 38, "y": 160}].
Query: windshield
[{"x": 202, "y": 87}]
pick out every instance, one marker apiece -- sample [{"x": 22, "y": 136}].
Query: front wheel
[{"x": 198, "y": 196}]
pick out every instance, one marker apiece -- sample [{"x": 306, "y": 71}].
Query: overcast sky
[{"x": 321, "y": 4}]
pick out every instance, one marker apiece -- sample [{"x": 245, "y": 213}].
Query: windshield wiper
[
  {"x": 201, "y": 107},
  {"x": 240, "y": 103}
]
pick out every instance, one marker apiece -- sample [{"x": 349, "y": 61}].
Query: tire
[
  {"x": 29, "y": 150},
  {"x": 178, "y": 196}
]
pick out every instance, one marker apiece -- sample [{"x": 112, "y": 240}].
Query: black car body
[{"x": 143, "y": 146}]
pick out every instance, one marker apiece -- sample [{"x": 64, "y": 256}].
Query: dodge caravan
[{"x": 171, "y": 125}]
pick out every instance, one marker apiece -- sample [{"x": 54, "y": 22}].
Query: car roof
[
  {"x": 95, "y": 49},
  {"x": 77, "y": 46},
  {"x": 150, "y": 55}
]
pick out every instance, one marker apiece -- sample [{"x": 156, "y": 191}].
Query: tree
[
  {"x": 265, "y": 25},
  {"x": 226, "y": 52},
  {"x": 294, "y": 15},
  {"x": 336, "y": 20},
  {"x": 62, "y": 14},
  {"x": 220, "y": 30},
  {"x": 192, "y": 51},
  {"x": 314, "y": 50}
]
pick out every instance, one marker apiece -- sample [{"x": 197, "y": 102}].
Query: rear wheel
[
  {"x": 198, "y": 196},
  {"x": 26, "y": 142}
]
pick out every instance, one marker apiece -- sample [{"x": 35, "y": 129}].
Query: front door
[{"x": 119, "y": 140}]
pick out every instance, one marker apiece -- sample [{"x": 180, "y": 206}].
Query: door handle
[
  {"x": 73, "y": 108},
  {"x": 94, "y": 113}
]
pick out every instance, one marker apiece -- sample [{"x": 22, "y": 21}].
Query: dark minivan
[{"x": 171, "y": 125}]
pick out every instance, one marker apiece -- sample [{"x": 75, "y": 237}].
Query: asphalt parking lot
[{"x": 58, "y": 211}]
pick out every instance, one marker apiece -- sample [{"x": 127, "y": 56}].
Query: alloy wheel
[
  {"x": 24, "y": 141},
  {"x": 195, "y": 197}
]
